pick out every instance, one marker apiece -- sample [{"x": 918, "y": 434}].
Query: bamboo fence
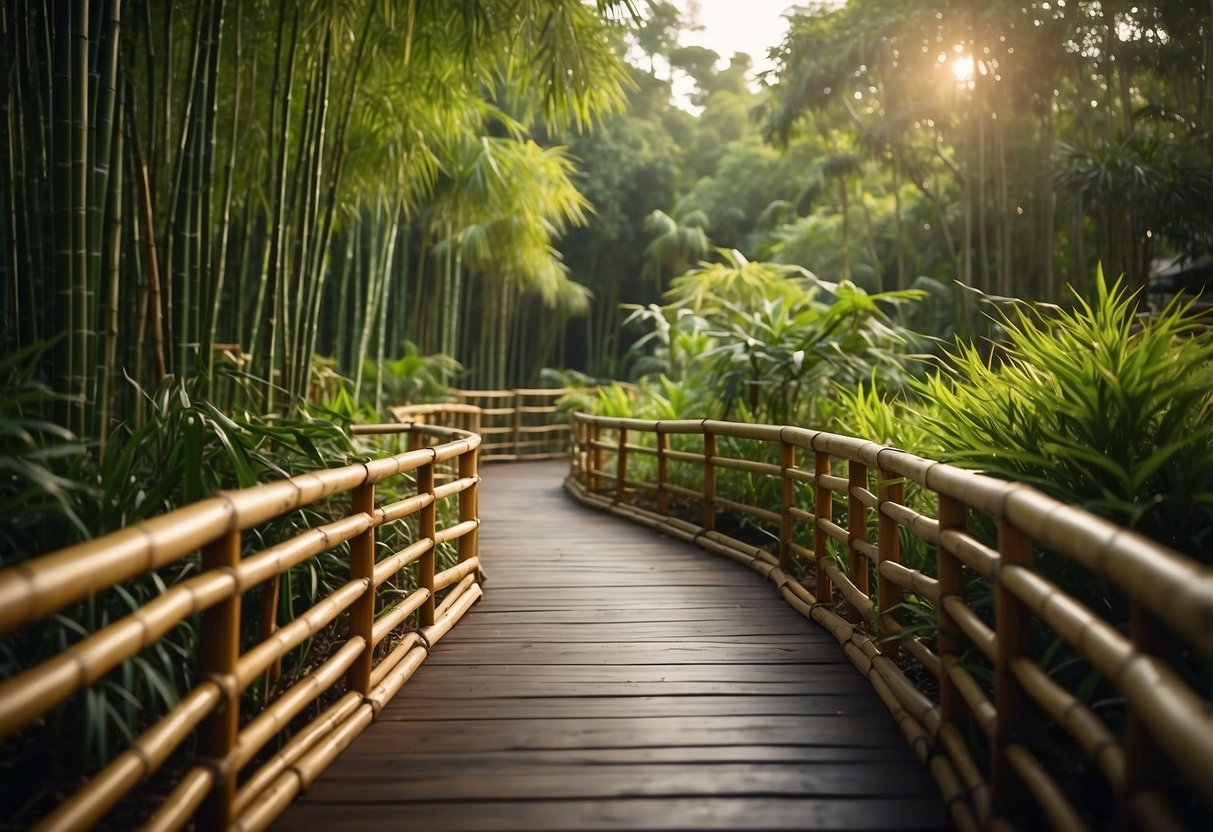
[
  {"x": 976, "y": 677},
  {"x": 236, "y": 778},
  {"x": 520, "y": 424}
]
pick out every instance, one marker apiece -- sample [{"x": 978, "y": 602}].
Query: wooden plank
[
  {"x": 412, "y": 706},
  {"x": 555, "y": 781},
  {"x": 616, "y": 813},
  {"x": 619, "y": 653},
  {"x": 510, "y": 733},
  {"x": 615, "y": 679}
]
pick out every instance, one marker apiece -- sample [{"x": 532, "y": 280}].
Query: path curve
[{"x": 615, "y": 679}]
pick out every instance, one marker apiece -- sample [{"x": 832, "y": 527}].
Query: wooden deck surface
[{"x": 615, "y": 679}]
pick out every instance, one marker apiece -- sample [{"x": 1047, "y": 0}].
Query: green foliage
[
  {"x": 1096, "y": 406},
  {"x": 771, "y": 339},
  {"x": 41, "y": 487},
  {"x": 412, "y": 378}
]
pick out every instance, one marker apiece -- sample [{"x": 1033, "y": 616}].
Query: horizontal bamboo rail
[
  {"x": 518, "y": 424},
  {"x": 215, "y": 789},
  {"x": 980, "y": 671}
]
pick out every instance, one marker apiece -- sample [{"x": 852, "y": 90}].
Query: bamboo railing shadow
[
  {"x": 216, "y": 786},
  {"x": 978, "y": 684}
]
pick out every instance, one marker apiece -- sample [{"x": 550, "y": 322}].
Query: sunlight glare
[{"x": 963, "y": 69}]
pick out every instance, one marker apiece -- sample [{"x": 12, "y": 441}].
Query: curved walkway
[{"x": 615, "y": 679}]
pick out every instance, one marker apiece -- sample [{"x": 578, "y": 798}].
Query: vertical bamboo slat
[
  {"x": 709, "y": 481},
  {"x": 1012, "y": 631},
  {"x": 1145, "y": 764},
  {"x": 951, "y": 585},
  {"x": 663, "y": 473},
  {"x": 362, "y": 613},
  {"x": 787, "y": 498},
  {"x": 823, "y": 509},
  {"x": 269, "y": 623},
  {"x": 469, "y": 544},
  {"x": 516, "y": 421},
  {"x": 889, "y": 549},
  {"x": 218, "y": 653},
  {"x": 857, "y": 530},
  {"x": 621, "y": 467},
  {"x": 428, "y": 530},
  {"x": 595, "y": 456}
]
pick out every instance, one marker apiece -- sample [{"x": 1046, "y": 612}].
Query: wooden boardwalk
[{"x": 616, "y": 679}]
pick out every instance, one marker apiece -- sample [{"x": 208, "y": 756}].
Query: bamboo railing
[
  {"x": 519, "y": 424},
  {"x": 237, "y": 777},
  {"x": 973, "y": 680}
]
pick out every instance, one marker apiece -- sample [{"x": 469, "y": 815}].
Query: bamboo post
[
  {"x": 888, "y": 548},
  {"x": 595, "y": 456},
  {"x": 1146, "y": 764},
  {"x": 787, "y": 463},
  {"x": 428, "y": 530},
  {"x": 362, "y": 611},
  {"x": 517, "y": 420},
  {"x": 709, "y": 481},
  {"x": 822, "y": 511},
  {"x": 218, "y": 654},
  {"x": 663, "y": 473},
  {"x": 1012, "y": 631},
  {"x": 268, "y": 624},
  {"x": 469, "y": 544},
  {"x": 857, "y": 530},
  {"x": 621, "y": 467},
  {"x": 951, "y": 585}
]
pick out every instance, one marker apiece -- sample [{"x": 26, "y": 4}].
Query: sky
[{"x": 751, "y": 26}]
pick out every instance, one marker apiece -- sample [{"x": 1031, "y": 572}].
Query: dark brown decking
[{"x": 612, "y": 678}]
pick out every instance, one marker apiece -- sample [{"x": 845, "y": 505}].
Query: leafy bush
[
  {"x": 1096, "y": 406},
  {"x": 56, "y": 490},
  {"x": 771, "y": 341}
]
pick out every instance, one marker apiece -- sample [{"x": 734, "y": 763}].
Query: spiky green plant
[{"x": 1097, "y": 406}]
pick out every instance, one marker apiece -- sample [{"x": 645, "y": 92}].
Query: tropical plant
[
  {"x": 1097, "y": 406},
  {"x": 773, "y": 338}
]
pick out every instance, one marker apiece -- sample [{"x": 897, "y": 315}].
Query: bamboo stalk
[
  {"x": 1012, "y": 634},
  {"x": 218, "y": 655},
  {"x": 857, "y": 531},
  {"x": 362, "y": 570},
  {"x": 298, "y": 745},
  {"x": 425, "y": 579},
  {"x": 787, "y": 502},
  {"x": 823, "y": 509},
  {"x": 709, "y": 480},
  {"x": 888, "y": 564}
]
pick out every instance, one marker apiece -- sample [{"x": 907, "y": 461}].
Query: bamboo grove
[
  {"x": 219, "y": 191},
  {"x": 1041, "y": 137}
]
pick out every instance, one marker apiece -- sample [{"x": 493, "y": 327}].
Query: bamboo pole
[
  {"x": 425, "y": 485},
  {"x": 663, "y": 473},
  {"x": 1012, "y": 633},
  {"x": 857, "y": 531},
  {"x": 823, "y": 508},
  {"x": 709, "y": 481},
  {"x": 469, "y": 544},
  {"x": 218, "y": 656},
  {"x": 595, "y": 456},
  {"x": 787, "y": 501},
  {"x": 362, "y": 613},
  {"x": 1146, "y": 764},
  {"x": 951, "y": 585},
  {"x": 621, "y": 467},
  {"x": 889, "y": 546}
]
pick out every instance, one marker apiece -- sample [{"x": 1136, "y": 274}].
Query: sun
[{"x": 962, "y": 69}]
